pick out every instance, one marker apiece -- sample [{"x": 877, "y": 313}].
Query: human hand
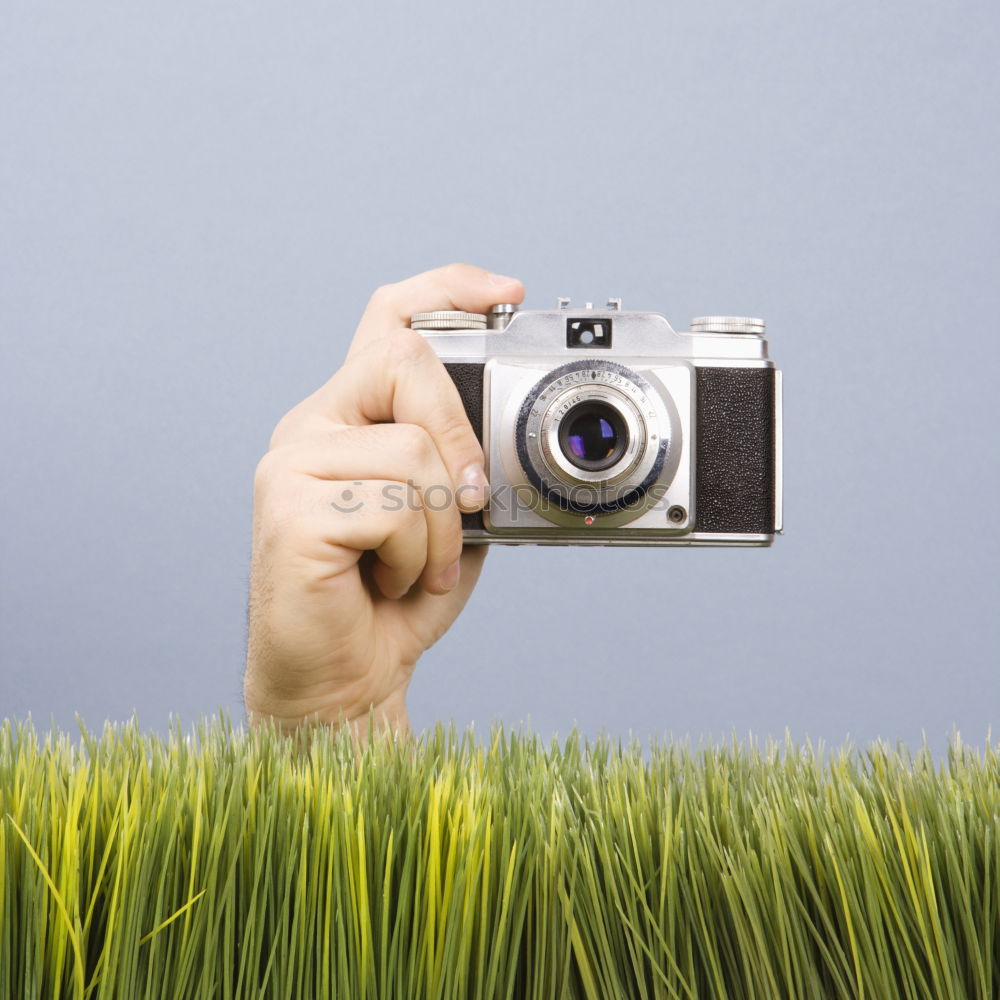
[{"x": 347, "y": 588}]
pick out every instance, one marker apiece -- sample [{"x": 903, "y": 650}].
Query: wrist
[{"x": 388, "y": 716}]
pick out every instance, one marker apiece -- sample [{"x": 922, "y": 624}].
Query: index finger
[
  {"x": 398, "y": 378},
  {"x": 457, "y": 286}
]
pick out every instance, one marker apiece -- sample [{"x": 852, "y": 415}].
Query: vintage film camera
[{"x": 607, "y": 427}]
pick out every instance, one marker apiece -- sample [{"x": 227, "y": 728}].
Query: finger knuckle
[
  {"x": 459, "y": 445},
  {"x": 268, "y": 473},
  {"x": 407, "y": 347},
  {"x": 279, "y": 527},
  {"x": 317, "y": 428},
  {"x": 383, "y": 295},
  {"x": 456, "y": 430},
  {"x": 283, "y": 428},
  {"x": 298, "y": 543},
  {"x": 277, "y": 494},
  {"x": 457, "y": 269},
  {"x": 415, "y": 442},
  {"x": 438, "y": 497},
  {"x": 412, "y": 519}
]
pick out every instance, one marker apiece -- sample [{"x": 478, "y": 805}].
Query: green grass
[{"x": 226, "y": 864}]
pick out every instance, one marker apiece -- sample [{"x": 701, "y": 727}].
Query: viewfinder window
[{"x": 588, "y": 333}]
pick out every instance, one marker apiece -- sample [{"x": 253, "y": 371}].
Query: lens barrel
[{"x": 593, "y": 435}]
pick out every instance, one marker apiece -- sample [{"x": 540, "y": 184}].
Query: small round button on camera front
[
  {"x": 728, "y": 324},
  {"x": 448, "y": 319}
]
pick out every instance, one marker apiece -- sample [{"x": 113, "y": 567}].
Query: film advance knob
[
  {"x": 448, "y": 319},
  {"x": 728, "y": 324}
]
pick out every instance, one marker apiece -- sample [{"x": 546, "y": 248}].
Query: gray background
[{"x": 197, "y": 200}]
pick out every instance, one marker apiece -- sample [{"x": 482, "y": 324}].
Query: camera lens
[{"x": 593, "y": 436}]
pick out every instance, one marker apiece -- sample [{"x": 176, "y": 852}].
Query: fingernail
[
  {"x": 450, "y": 576},
  {"x": 473, "y": 489},
  {"x": 499, "y": 279}
]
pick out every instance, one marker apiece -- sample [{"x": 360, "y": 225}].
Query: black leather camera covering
[
  {"x": 468, "y": 379},
  {"x": 734, "y": 455}
]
